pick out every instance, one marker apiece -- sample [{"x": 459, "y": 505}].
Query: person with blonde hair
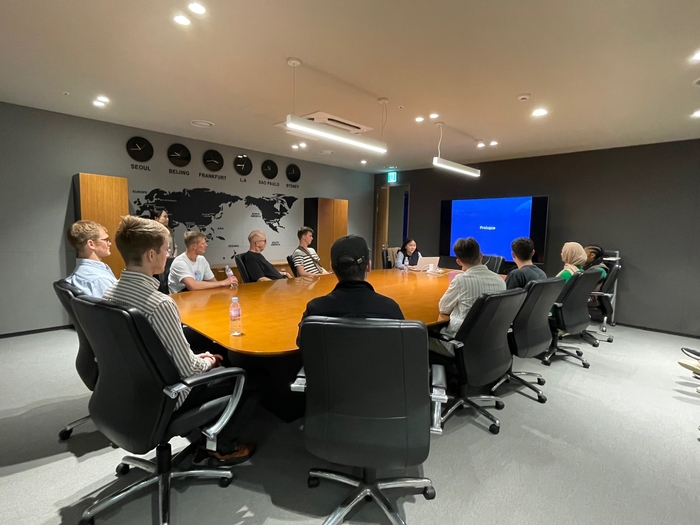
[
  {"x": 574, "y": 257},
  {"x": 191, "y": 271},
  {"x": 91, "y": 244}
]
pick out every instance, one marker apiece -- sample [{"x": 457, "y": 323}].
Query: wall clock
[
  {"x": 179, "y": 155},
  {"x": 293, "y": 173},
  {"x": 269, "y": 169},
  {"x": 139, "y": 149},
  {"x": 213, "y": 160},
  {"x": 243, "y": 164}
]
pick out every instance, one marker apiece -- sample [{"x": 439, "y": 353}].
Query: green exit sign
[{"x": 391, "y": 176}]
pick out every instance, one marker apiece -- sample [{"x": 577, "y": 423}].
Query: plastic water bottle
[
  {"x": 234, "y": 314},
  {"x": 229, "y": 273},
  {"x": 405, "y": 266}
]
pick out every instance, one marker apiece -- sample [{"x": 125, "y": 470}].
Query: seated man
[
  {"x": 464, "y": 290},
  {"x": 91, "y": 244},
  {"x": 191, "y": 271},
  {"x": 259, "y": 268},
  {"x": 523, "y": 249},
  {"x": 306, "y": 260},
  {"x": 352, "y": 296},
  {"x": 143, "y": 244}
]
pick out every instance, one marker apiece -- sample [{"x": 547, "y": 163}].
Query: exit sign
[{"x": 391, "y": 176}]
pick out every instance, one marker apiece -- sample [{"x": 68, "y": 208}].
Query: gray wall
[
  {"x": 642, "y": 201},
  {"x": 396, "y": 198},
  {"x": 40, "y": 152}
]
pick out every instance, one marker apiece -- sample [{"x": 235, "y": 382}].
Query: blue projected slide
[{"x": 494, "y": 223}]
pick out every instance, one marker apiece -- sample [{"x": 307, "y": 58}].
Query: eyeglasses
[{"x": 261, "y": 240}]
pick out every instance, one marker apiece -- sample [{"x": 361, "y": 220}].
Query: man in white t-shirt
[{"x": 191, "y": 271}]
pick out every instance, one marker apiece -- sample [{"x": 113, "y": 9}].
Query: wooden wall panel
[
  {"x": 329, "y": 219},
  {"x": 103, "y": 199}
]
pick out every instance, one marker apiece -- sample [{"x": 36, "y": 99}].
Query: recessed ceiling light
[
  {"x": 66, "y": 93},
  {"x": 493, "y": 143},
  {"x": 434, "y": 115},
  {"x": 419, "y": 119},
  {"x": 480, "y": 144},
  {"x": 102, "y": 98},
  {"x": 182, "y": 20},
  {"x": 539, "y": 112},
  {"x": 98, "y": 103},
  {"x": 302, "y": 144},
  {"x": 363, "y": 162},
  {"x": 695, "y": 57},
  {"x": 696, "y": 114},
  {"x": 294, "y": 146},
  {"x": 202, "y": 123},
  {"x": 197, "y": 8}
]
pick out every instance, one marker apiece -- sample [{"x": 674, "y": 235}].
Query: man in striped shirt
[
  {"x": 464, "y": 290},
  {"x": 306, "y": 260},
  {"x": 143, "y": 245}
]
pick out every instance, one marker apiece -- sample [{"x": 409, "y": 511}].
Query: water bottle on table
[
  {"x": 229, "y": 273},
  {"x": 234, "y": 314}
]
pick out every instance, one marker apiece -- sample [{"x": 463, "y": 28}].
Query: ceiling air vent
[{"x": 334, "y": 121}]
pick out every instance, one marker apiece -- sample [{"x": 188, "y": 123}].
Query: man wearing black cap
[{"x": 353, "y": 296}]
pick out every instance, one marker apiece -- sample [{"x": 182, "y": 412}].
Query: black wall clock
[
  {"x": 179, "y": 155},
  {"x": 213, "y": 160},
  {"x": 293, "y": 173},
  {"x": 139, "y": 149},
  {"x": 243, "y": 164},
  {"x": 269, "y": 169}
]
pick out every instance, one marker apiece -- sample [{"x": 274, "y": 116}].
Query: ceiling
[{"x": 609, "y": 73}]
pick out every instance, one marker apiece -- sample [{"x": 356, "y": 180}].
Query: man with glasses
[
  {"x": 191, "y": 271},
  {"x": 92, "y": 244},
  {"x": 259, "y": 268}
]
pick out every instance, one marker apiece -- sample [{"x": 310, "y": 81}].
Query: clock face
[
  {"x": 269, "y": 169},
  {"x": 213, "y": 160},
  {"x": 139, "y": 149},
  {"x": 243, "y": 164},
  {"x": 179, "y": 155},
  {"x": 293, "y": 173}
]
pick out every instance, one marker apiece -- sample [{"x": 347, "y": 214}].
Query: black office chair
[
  {"x": 290, "y": 262},
  {"x": 85, "y": 362},
  {"x": 134, "y": 400},
  {"x": 570, "y": 315},
  {"x": 530, "y": 334},
  {"x": 367, "y": 404},
  {"x": 386, "y": 264},
  {"x": 163, "y": 277},
  {"x": 493, "y": 262},
  {"x": 240, "y": 264},
  {"x": 605, "y": 298},
  {"x": 482, "y": 355}
]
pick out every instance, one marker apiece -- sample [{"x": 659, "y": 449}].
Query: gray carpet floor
[{"x": 617, "y": 443}]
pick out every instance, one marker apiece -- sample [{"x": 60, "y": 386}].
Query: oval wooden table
[{"x": 271, "y": 311}]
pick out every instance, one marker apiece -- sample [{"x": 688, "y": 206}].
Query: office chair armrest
[
  {"x": 557, "y": 305},
  {"x": 210, "y": 433},
  {"x": 438, "y": 396},
  {"x": 446, "y": 339},
  {"x": 299, "y": 384},
  {"x": 601, "y": 294}
]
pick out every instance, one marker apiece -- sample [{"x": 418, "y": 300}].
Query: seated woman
[
  {"x": 574, "y": 257},
  {"x": 594, "y": 259},
  {"x": 407, "y": 255}
]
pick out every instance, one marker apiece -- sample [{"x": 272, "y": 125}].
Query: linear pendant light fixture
[
  {"x": 321, "y": 130},
  {"x": 452, "y": 166}
]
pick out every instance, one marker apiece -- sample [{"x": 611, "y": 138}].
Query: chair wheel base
[
  {"x": 541, "y": 381},
  {"x": 494, "y": 429},
  {"x": 312, "y": 483},
  {"x": 542, "y": 399},
  {"x": 225, "y": 482},
  {"x": 122, "y": 469},
  {"x": 586, "y": 365},
  {"x": 429, "y": 493}
]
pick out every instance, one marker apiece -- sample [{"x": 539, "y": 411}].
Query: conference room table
[{"x": 272, "y": 310}]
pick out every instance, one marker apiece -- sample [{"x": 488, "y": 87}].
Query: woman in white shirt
[{"x": 407, "y": 255}]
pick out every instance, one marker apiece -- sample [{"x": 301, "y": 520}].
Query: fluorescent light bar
[
  {"x": 457, "y": 168},
  {"x": 326, "y": 132}
]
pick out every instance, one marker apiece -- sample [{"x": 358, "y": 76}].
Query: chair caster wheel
[
  {"x": 87, "y": 521},
  {"x": 579, "y": 353},
  {"x": 604, "y": 329},
  {"x": 609, "y": 340},
  {"x": 546, "y": 363},
  {"x": 122, "y": 469},
  {"x": 429, "y": 493},
  {"x": 500, "y": 405},
  {"x": 596, "y": 345},
  {"x": 542, "y": 399},
  {"x": 541, "y": 381},
  {"x": 64, "y": 434},
  {"x": 586, "y": 365},
  {"x": 494, "y": 429},
  {"x": 312, "y": 483},
  {"x": 225, "y": 482}
]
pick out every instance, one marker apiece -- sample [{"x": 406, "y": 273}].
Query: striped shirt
[
  {"x": 301, "y": 258},
  {"x": 139, "y": 291},
  {"x": 463, "y": 292}
]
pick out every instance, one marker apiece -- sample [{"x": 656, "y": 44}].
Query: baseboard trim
[
  {"x": 39, "y": 331},
  {"x": 681, "y": 334}
]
